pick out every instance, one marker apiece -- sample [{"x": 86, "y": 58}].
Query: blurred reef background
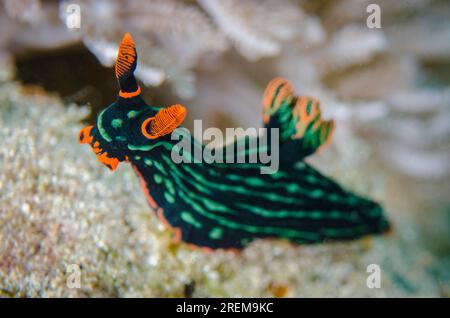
[{"x": 388, "y": 90}]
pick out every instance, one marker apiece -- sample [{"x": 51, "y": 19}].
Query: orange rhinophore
[{"x": 126, "y": 56}]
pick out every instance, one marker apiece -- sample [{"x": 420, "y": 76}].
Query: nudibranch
[{"x": 216, "y": 205}]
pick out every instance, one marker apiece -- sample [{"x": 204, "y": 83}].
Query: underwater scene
[{"x": 225, "y": 148}]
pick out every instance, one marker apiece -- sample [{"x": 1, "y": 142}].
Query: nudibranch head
[{"x": 129, "y": 123}]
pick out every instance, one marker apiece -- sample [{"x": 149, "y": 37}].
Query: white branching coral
[
  {"x": 349, "y": 46},
  {"x": 27, "y": 11},
  {"x": 174, "y": 36},
  {"x": 259, "y": 28}
]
